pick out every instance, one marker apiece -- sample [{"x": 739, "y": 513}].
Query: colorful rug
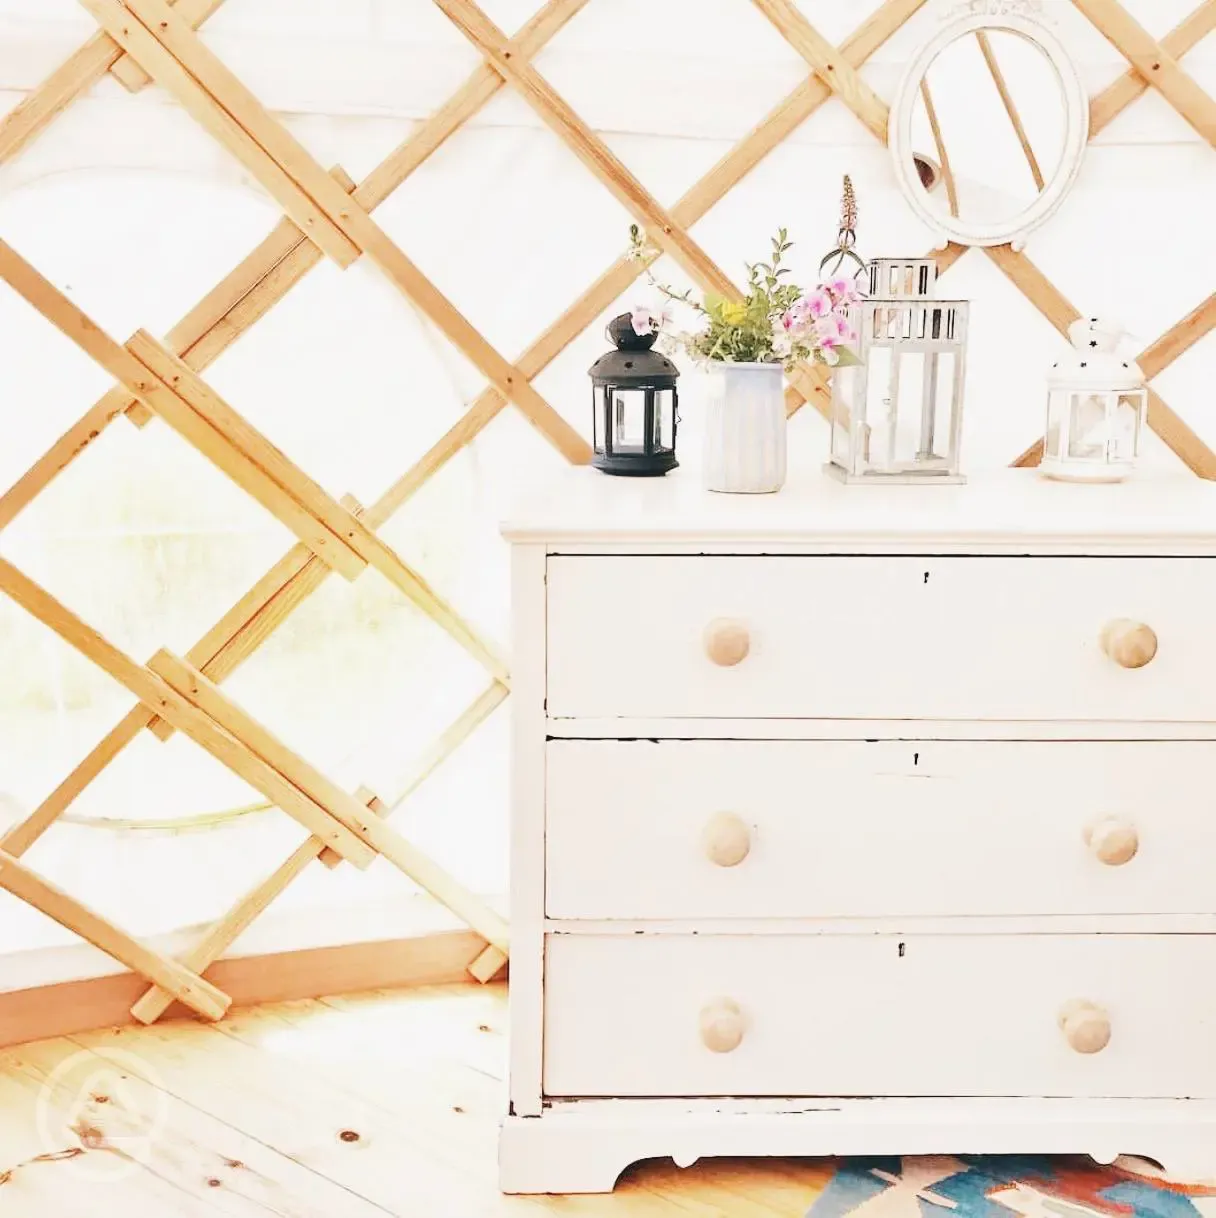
[{"x": 1014, "y": 1186}]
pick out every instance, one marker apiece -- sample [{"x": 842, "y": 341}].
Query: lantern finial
[{"x": 846, "y": 234}]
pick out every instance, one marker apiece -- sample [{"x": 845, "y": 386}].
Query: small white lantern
[
  {"x": 897, "y": 416},
  {"x": 1096, "y": 408}
]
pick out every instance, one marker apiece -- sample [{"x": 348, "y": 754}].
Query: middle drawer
[{"x": 807, "y": 829}]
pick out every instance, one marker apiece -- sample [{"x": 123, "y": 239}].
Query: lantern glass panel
[
  {"x": 1101, "y": 426},
  {"x": 1087, "y": 426},
  {"x": 635, "y": 420},
  {"x": 846, "y": 387},
  {"x": 909, "y": 409},
  {"x": 1125, "y": 440}
]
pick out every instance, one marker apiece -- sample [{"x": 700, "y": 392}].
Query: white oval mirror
[{"x": 989, "y": 129}]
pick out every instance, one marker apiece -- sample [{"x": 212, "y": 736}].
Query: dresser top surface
[{"x": 582, "y": 509}]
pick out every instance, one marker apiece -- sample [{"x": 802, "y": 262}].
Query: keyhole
[
  {"x": 926, "y": 577},
  {"x": 916, "y": 759},
  {"x": 903, "y": 950}
]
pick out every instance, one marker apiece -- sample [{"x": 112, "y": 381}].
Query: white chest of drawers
[{"x": 861, "y": 821}]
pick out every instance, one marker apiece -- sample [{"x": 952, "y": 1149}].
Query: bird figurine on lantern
[{"x": 634, "y": 402}]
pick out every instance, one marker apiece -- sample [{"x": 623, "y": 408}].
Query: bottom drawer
[{"x": 880, "y": 1015}]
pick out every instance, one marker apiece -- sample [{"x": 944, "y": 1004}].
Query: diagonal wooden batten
[
  {"x": 480, "y": 87},
  {"x": 124, "y": 26},
  {"x": 130, "y": 75},
  {"x": 514, "y": 68},
  {"x": 235, "y": 637},
  {"x": 407, "y": 858},
  {"x": 142, "y": 382},
  {"x": 1178, "y": 339},
  {"x": 225, "y": 92},
  {"x": 202, "y": 335},
  {"x": 175, "y": 978},
  {"x": 76, "y": 76},
  {"x": 223, "y": 933},
  {"x": 1112, "y": 101},
  {"x": 25, "y": 833},
  {"x": 160, "y": 697},
  {"x": 488, "y": 963},
  {"x": 231, "y": 427},
  {"x": 206, "y": 696},
  {"x": 1011, "y": 109},
  {"x": 219, "y": 652},
  {"x": 62, "y": 453},
  {"x": 179, "y": 412},
  {"x": 939, "y": 145},
  {"x": 1154, "y": 63},
  {"x": 153, "y": 1003},
  {"x": 67, "y": 317},
  {"x": 832, "y": 69}
]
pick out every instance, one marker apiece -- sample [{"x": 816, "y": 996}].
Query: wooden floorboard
[{"x": 360, "y": 1106}]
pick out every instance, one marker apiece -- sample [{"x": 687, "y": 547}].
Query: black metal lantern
[{"x": 634, "y": 405}]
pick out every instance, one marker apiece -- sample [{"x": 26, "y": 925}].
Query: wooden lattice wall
[{"x": 326, "y": 214}]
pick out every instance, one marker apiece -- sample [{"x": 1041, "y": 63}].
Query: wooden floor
[{"x": 353, "y": 1107}]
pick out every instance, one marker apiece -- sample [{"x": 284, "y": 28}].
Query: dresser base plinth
[{"x": 583, "y": 1146}]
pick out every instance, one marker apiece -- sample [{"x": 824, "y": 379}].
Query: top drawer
[{"x": 881, "y": 638}]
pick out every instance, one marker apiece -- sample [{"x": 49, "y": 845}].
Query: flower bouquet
[{"x": 748, "y": 343}]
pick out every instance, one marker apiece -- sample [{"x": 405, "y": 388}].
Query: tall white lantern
[
  {"x": 1096, "y": 408},
  {"x": 897, "y": 415}
]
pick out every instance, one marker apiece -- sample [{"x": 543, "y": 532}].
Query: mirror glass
[{"x": 989, "y": 125}]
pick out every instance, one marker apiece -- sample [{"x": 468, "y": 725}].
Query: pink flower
[
  {"x": 844, "y": 329},
  {"x": 829, "y": 348},
  {"x": 827, "y": 327},
  {"x": 641, "y": 318},
  {"x": 846, "y": 288},
  {"x": 819, "y": 303},
  {"x": 646, "y": 320}
]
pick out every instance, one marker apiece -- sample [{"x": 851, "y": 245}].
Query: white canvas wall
[{"x": 134, "y": 212}]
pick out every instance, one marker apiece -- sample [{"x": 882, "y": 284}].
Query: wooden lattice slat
[
  {"x": 76, "y": 75},
  {"x": 327, "y": 212},
  {"x": 1154, "y": 63},
  {"x": 176, "y": 978},
  {"x": 219, "y": 937}
]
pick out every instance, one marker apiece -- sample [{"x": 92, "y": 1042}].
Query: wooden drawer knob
[
  {"x": 1130, "y": 644},
  {"x": 726, "y": 642},
  {"x": 722, "y": 1025},
  {"x": 1085, "y": 1025},
  {"x": 726, "y": 839},
  {"x": 1113, "y": 842}
]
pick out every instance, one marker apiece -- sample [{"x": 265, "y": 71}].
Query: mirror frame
[{"x": 1076, "y": 136}]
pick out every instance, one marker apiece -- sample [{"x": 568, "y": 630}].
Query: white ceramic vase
[{"x": 745, "y": 429}]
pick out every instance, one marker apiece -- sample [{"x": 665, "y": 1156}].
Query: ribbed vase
[{"x": 745, "y": 429}]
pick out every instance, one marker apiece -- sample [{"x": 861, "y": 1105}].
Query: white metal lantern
[
  {"x": 1096, "y": 408},
  {"x": 897, "y": 415}
]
